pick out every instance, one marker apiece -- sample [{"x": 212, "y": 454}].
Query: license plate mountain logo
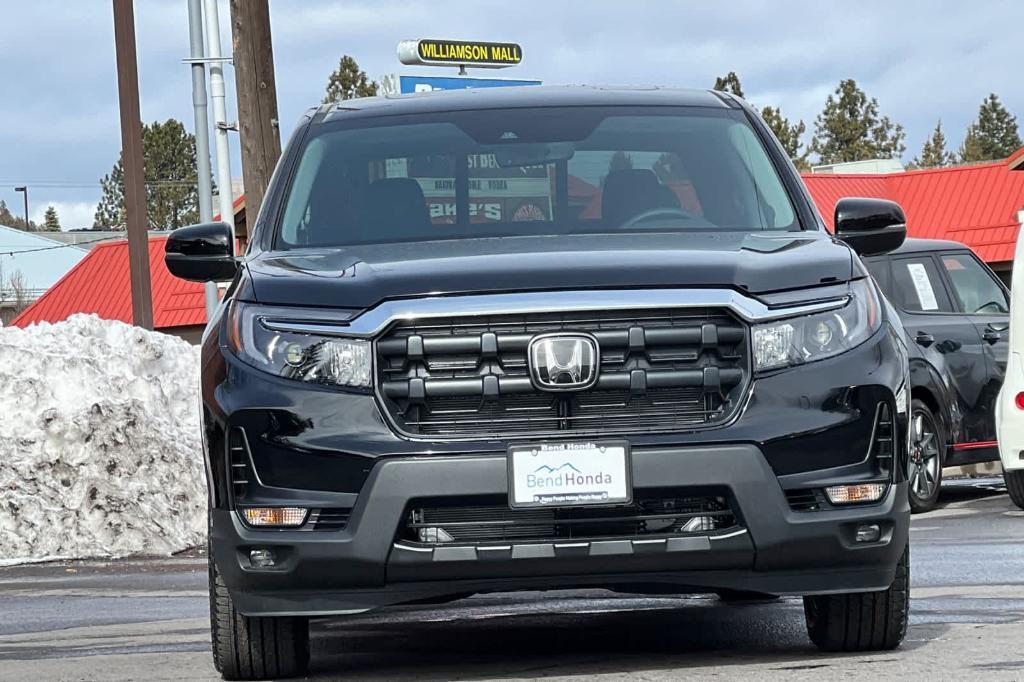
[{"x": 564, "y": 476}]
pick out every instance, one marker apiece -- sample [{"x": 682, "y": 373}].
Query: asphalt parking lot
[{"x": 148, "y": 620}]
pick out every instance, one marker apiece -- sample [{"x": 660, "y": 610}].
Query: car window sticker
[{"x": 923, "y": 286}]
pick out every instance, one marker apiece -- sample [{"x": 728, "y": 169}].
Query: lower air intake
[{"x": 482, "y": 520}]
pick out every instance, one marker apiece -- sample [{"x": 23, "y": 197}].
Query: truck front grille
[{"x": 660, "y": 371}]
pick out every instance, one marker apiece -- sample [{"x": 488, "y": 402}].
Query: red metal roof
[
  {"x": 976, "y": 205},
  {"x": 100, "y": 284}
]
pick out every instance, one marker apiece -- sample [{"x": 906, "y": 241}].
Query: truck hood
[{"x": 362, "y": 276}]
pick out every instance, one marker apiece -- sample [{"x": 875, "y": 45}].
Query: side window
[
  {"x": 879, "y": 269},
  {"x": 917, "y": 286},
  {"x": 751, "y": 151},
  {"x": 973, "y": 285}
]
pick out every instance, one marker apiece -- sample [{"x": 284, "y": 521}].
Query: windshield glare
[{"x": 550, "y": 171}]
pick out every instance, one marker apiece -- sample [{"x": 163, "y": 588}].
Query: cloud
[
  {"x": 73, "y": 215},
  {"x": 922, "y": 59}
]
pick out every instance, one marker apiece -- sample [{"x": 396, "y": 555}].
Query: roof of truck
[
  {"x": 912, "y": 245},
  {"x": 523, "y": 97}
]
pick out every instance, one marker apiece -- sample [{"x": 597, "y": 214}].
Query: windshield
[{"x": 544, "y": 171}]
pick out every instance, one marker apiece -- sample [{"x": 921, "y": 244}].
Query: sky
[{"x": 922, "y": 60}]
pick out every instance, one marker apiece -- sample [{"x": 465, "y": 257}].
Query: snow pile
[{"x": 100, "y": 450}]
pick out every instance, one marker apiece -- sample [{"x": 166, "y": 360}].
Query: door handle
[
  {"x": 997, "y": 326},
  {"x": 991, "y": 335},
  {"x": 924, "y": 339}
]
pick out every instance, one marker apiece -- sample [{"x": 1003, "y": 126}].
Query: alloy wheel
[{"x": 923, "y": 469}]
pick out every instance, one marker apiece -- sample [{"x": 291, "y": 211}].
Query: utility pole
[
  {"x": 131, "y": 156},
  {"x": 202, "y": 118},
  {"x": 257, "y": 98},
  {"x": 204, "y": 174},
  {"x": 220, "y": 115}
]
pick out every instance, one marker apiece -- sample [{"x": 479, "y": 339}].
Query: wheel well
[{"x": 926, "y": 397}]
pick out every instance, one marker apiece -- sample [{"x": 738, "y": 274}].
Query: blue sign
[{"x": 408, "y": 84}]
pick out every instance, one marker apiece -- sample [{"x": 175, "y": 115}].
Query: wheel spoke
[{"x": 917, "y": 478}]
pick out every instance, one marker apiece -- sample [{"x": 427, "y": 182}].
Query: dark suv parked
[
  {"x": 957, "y": 313},
  {"x": 548, "y": 338}
]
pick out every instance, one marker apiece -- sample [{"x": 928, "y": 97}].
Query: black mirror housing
[
  {"x": 870, "y": 226},
  {"x": 201, "y": 253}
]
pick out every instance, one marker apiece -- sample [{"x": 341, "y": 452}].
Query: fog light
[
  {"x": 274, "y": 517},
  {"x": 697, "y": 524},
  {"x": 869, "y": 532},
  {"x": 434, "y": 535},
  {"x": 262, "y": 558},
  {"x": 851, "y": 494}
]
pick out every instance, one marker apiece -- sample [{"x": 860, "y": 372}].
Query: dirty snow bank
[{"x": 100, "y": 451}]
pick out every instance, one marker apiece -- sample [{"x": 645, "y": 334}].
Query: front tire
[
  {"x": 254, "y": 648},
  {"x": 924, "y": 467},
  {"x": 862, "y": 621},
  {"x": 1015, "y": 486}
]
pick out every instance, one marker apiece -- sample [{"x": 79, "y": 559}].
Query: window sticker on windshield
[{"x": 923, "y": 285}]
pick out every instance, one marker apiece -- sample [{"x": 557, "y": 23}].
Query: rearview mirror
[
  {"x": 201, "y": 253},
  {"x": 533, "y": 154},
  {"x": 870, "y": 226}
]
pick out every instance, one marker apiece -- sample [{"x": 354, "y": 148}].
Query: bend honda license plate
[{"x": 569, "y": 474}]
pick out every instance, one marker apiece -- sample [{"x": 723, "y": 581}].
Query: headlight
[
  {"x": 818, "y": 336},
  {"x": 329, "y": 360}
]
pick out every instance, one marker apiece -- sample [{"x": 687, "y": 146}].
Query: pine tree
[
  {"x": 348, "y": 82},
  {"x": 8, "y": 219},
  {"x": 51, "y": 223},
  {"x": 169, "y": 163},
  {"x": 110, "y": 212},
  {"x": 993, "y": 136},
  {"x": 789, "y": 135},
  {"x": 730, "y": 83},
  {"x": 620, "y": 161},
  {"x": 668, "y": 167},
  {"x": 970, "y": 149},
  {"x": 933, "y": 153},
  {"x": 849, "y": 128}
]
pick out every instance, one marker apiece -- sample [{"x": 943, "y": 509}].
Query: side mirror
[
  {"x": 201, "y": 253},
  {"x": 870, "y": 226}
]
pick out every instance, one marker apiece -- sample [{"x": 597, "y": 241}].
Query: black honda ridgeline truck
[{"x": 544, "y": 338}]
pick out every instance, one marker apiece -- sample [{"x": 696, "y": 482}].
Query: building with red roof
[
  {"x": 100, "y": 284},
  {"x": 979, "y": 205}
]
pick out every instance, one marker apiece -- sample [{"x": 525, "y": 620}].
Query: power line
[
  {"x": 72, "y": 184},
  {"x": 56, "y": 246}
]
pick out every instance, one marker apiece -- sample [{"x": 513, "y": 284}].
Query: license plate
[{"x": 569, "y": 474}]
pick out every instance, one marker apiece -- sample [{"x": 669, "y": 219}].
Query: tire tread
[
  {"x": 1015, "y": 486},
  {"x": 254, "y": 648},
  {"x": 861, "y": 621}
]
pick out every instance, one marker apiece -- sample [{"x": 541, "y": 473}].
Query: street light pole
[{"x": 24, "y": 190}]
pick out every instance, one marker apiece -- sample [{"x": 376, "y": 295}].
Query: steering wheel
[
  {"x": 997, "y": 307},
  {"x": 658, "y": 213}
]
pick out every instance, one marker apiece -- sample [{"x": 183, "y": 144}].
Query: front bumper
[
  {"x": 803, "y": 428},
  {"x": 1009, "y": 417},
  {"x": 778, "y": 550}
]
